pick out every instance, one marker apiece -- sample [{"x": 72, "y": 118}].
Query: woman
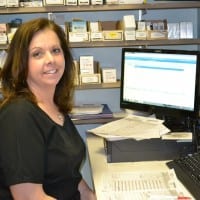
[{"x": 40, "y": 149}]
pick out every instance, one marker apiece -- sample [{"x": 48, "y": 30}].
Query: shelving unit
[
  {"x": 112, "y": 7},
  {"x": 99, "y": 86},
  {"x": 157, "y": 5}
]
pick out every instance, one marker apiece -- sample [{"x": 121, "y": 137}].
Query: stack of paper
[
  {"x": 91, "y": 111},
  {"x": 132, "y": 126}
]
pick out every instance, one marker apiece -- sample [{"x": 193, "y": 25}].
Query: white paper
[
  {"x": 140, "y": 185},
  {"x": 136, "y": 127}
]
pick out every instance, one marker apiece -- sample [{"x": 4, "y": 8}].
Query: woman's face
[{"x": 46, "y": 60}]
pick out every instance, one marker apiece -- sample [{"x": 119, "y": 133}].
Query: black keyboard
[{"x": 187, "y": 169}]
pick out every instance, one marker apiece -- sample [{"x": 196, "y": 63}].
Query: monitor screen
[{"x": 160, "y": 81}]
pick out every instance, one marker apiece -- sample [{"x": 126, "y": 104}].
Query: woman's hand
[
  {"x": 29, "y": 191},
  {"x": 85, "y": 192}
]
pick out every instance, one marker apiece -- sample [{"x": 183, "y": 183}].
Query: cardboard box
[
  {"x": 83, "y": 2},
  {"x": 86, "y": 65},
  {"x": 140, "y": 35},
  {"x": 109, "y": 75},
  {"x": 157, "y": 35},
  {"x": 131, "y": 1},
  {"x": 96, "y": 33},
  {"x": 78, "y": 37},
  {"x": 12, "y": 3},
  {"x": 71, "y": 2},
  {"x": 112, "y": 30}
]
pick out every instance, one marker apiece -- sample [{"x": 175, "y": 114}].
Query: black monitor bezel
[{"x": 157, "y": 109}]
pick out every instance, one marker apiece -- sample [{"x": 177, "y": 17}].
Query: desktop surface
[{"x": 100, "y": 166}]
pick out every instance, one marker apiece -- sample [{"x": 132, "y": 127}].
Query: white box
[
  {"x": 140, "y": 35},
  {"x": 90, "y": 79},
  {"x": 189, "y": 30},
  {"x": 79, "y": 37},
  {"x": 86, "y": 65},
  {"x": 54, "y": 2},
  {"x": 71, "y": 2},
  {"x": 109, "y": 75},
  {"x": 129, "y": 22},
  {"x": 96, "y": 36},
  {"x": 129, "y": 35},
  {"x": 97, "y": 2},
  {"x": 183, "y": 30},
  {"x": 131, "y": 1},
  {"x": 83, "y": 2},
  {"x": 12, "y": 3},
  {"x": 3, "y": 38},
  {"x": 173, "y": 30},
  {"x": 3, "y": 3}
]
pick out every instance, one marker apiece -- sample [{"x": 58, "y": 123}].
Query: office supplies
[
  {"x": 187, "y": 170},
  {"x": 146, "y": 185},
  {"x": 87, "y": 109}
]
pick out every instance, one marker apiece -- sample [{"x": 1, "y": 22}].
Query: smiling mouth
[{"x": 53, "y": 71}]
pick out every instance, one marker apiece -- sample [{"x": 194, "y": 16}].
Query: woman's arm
[
  {"x": 29, "y": 191},
  {"x": 85, "y": 192}
]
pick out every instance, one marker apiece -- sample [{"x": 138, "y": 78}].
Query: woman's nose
[{"x": 49, "y": 57}]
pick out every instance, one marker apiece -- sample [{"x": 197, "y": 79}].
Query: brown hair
[{"x": 14, "y": 73}]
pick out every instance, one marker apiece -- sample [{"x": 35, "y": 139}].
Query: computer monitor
[{"x": 163, "y": 82}]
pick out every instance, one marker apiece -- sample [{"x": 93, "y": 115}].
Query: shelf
[
  {"x": 99, "y": 86},
  {"x": 94, "y": 121},
  {"x": 134, "y": 43},
  {"x": 112, "y": 7},
  {"x": 128, "y": 43}
]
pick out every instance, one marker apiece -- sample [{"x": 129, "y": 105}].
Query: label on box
[
  {"x": 3, "y": 3},
  {"x": 90, "y": 78},
  {"x": 3, "y": 38},
  {"x": 83, "y": 2},
  {"x": 86, "y": 65},
  {"x": 78, "y": 26},
  {"x": 96, "y": 36},
  {"x": 153, "y": 35},
  {"x": 71, "y": 2},
  {"x": 54, "y": 2},
  {"x": 129, "y": 35},
  {"x": 113, "y": 35},
  {"x": 78, "y": 37},
  {"x": 141, "y": 35},
  {"x": 109, "y": 75},
  {"x": 97, "y": 2},
  {"x": 12, "y": 3}
]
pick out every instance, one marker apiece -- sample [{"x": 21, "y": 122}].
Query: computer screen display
[{"x": 156, "y": 80}]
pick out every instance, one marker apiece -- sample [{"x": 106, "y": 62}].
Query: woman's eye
[
  {"x": 37, "y": 54},
  {"x": 56, "y": 50}
]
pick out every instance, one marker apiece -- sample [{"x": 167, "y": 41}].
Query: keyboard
[{"x": 187, "y": 170}]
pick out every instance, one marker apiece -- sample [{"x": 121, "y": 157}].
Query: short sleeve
[{"x": 22, "y": 148}]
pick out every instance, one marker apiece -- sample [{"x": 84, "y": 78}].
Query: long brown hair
[{"x": 13, "y": 75}]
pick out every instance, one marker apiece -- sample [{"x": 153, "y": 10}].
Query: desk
[{"x": 99, "y": 165}]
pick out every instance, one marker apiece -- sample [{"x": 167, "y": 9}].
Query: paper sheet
[
  {"x": 140, "y": 186},
  {"x": 132, "y": 126}
]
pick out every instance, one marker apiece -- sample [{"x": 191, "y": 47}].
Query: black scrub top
[{"x": 34, "y": 149}]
